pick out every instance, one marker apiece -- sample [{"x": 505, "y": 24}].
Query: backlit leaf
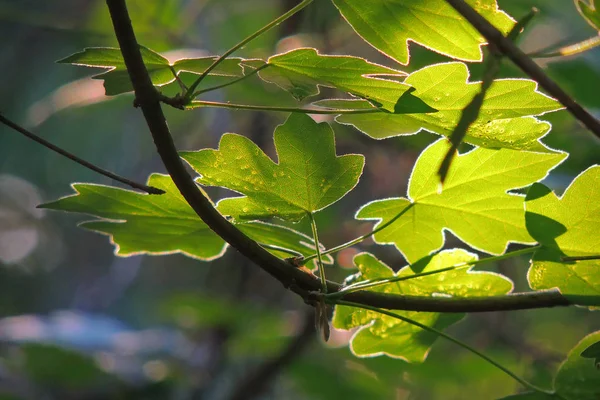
[
  {"x": 388, "y": 25},
  {"x": 309, "y": 175},
  {"x": 161, "y": 71},
  {"x": 568, "y": 226},
  {"x": 150, "y": 224},
  {"x": 382, "y": 334},
  {"x": 301, "y": 71},
  {"x": 474, "y": 203},
  {"x": 505, "y": 120}
]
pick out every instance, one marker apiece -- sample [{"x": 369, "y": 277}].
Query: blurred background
[{"x": 76, "y": 322}]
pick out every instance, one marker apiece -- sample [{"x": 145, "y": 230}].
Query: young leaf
[
  {"x": 161, "y": 71},
  {"x": 301, "y": 71},
  {"x": 140, "y": 223},
  {"x": 308, "y": 177},
  {"x": 388, "y": 25},
  {"x": 504, "y": 120},
  {"x": 474, "y": 203},
  {"x": 576, "y": 379},
  {"x": 381, "y": 334},
  {"x": 590, "y": 12},
  {"x": 566, "y": 227}
]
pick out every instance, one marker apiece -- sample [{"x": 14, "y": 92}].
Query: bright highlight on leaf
[
  {"x": 140, "y": 223},
  {"x": 566, "y": 226},
  {"x": 474, "y": 203},
  {"x": 161, "y": 71},
  {"x": 309, "y": 175},
  {"x": 381, "y": 334},
  {"x": 301, "y": 71},
  {"x": 388, "y": 25},
  {"x": 505, "y": 120}
]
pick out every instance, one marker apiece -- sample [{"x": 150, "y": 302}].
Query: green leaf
[
  {"x": 161, "y": 71},
  {"x": 474, "y": 203},
  {"x": 566, "y": 226},
  {"x": 593, "y": 352},
  {"x": 388, "y": 25},
  {"x": 590, "y": 12},
  {"x": 382, "y": 334},
  {"x": 301, "y": 71},
  {"x": 308, "y": 177},
  {"x": 150, "y": 224},
  {"x": 504, "y": 121},
  {"x": 577, "y": 378}
]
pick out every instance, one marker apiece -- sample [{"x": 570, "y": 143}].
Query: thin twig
[
  {"x": 525, "y": 63},
  {"x": 465, "y": 346},
  {"x": 333, "y": 111},
  {"x": 80, "y": 161},
  {"x": 190, "y": 93},
  {"x": 294, "y": 278},
  {"x": 471, "y": 112}
]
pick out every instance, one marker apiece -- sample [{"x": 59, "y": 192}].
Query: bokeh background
[{"x": 76, "y": 322}]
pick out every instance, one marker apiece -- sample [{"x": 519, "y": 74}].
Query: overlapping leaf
[
  {"x": 140, "y": 223},
  {"x": 590, "y": 11},
  {"x": 382, "y": 334},
  {"x": 474, "y": 203},
  {"x": 388, "y": 25},
  {"x": 301, "y": 71},
  {"x": 505, "y": 120},
  {"x": 161, "y": 71},
  {"x": 576, "y": 379},
  {"x": 308, "y": 177},
  {"x": 566, "y": 227}
]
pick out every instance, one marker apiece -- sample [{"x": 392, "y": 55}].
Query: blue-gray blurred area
[{"x": 76, "y": 322}]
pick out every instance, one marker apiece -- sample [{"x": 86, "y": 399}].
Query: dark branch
[
  {"x": 45, "y": 143},
  {"x": 255, "y": 383},
  {"x": 525, "y": 63},
  {"x": 294, "y": 278}
]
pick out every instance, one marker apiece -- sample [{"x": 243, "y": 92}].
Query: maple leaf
[
  {"x": 474, "y": 203},
  {"x": 566, "y": 227},
  {"x": 308, "y": 177},
  {"x": 140, "y": 223},
  {"x": 382, "y": 334},
  {"x": 505, "y": 121},
  {"x": 388, "y": 25},
  {"x": 301, "y": 71}
]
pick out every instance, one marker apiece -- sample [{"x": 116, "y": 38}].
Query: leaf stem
[
  {"x": 80, "y": 161},
  {"x": 366, "y": 284},
  {"x": 248, "y": 75},
  {"x": 281, "y": 249},
  {"x": 360, "y": 238},
  {"x": 203, "y": 103},
  {"x": 581, "y": 258},
  {"x": 190, "y": 93},
  {"x": 313, "y": 225},
  {"x": 465, "y": 346}
]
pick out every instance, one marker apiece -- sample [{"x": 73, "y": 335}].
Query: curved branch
[
  {"x": 300, "y": 282},
  {"x": 525, "y": 63}
]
